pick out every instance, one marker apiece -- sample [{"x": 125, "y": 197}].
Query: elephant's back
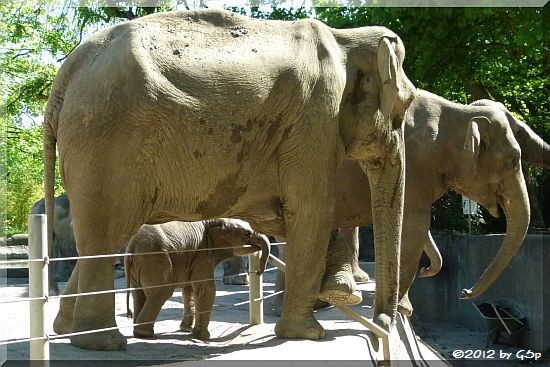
[{"x": 169, "y": 236}]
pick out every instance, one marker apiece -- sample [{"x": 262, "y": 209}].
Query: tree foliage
[{"x": 462, "y": 54}]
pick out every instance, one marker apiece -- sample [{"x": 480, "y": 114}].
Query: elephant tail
[
  {"x": 49, "y": 144},
  {"x": 127, "y": 270}
]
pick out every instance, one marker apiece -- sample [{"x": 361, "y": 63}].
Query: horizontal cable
[
  {"x": 8, "y": 262},
  {"x": 11, "y": 262},
  {"x": 122, "y": 290},
  {"x": 259, "y": 299}
]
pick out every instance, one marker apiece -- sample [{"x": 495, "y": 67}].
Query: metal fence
[{"x": 38, "y": 262}]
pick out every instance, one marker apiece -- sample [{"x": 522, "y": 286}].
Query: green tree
[{"x": 34, "y": 40}]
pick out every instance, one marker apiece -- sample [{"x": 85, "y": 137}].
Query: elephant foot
[
  {"x": 106, "y": 340},
  {"x": 186, "y": 326},
  {"x": 359, "y": 275},
  {"x": 202, "y": 334},
  {"x": 320, "y": 304},
  {"x": 339, "y": 289},
  {"x": 299, "y": 328},
  {"x": 144, "y": 331},
  {"x": 383, "y": 320},
  {"x": 404, "y": 307},
  {"x": 236, "y": 280},
  {"x": 62, "y": 324}
]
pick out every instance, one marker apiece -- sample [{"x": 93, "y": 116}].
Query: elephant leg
[
  {"x": 188, "y": 308},
  {"x": 277, "y": 301},
  {"x": 63, "y": 323},
  {"x": 359, "y": 275},
  {"x": 232, "y": 267},
  {"x": 154, "y": 300},
  {"x": 308, "y": 213},
  {"x": 96, "y": 311},
  {"x": 138, "y": 298},
  {"x": 338, "y": 286},
  {"x": 204, "y": 294},
  {"x": 415, "y": 237}
]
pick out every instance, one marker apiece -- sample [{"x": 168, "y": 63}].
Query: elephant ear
[
  {"x": 472, "y": 142},
  {"x": 215, "y": 237},
  {"x": 533, "y": 148},
  {"x": 388, "y": 64}
]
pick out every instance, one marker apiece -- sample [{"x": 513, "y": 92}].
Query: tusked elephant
[
  {"x": 205, "y": 114},
  {"x": 485, "y": 167},
  {"x": 64, "y": 244},
  {"x": 219, "y": 239}
]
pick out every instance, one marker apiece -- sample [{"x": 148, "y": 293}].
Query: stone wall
[{"x": 522, "y": 283}]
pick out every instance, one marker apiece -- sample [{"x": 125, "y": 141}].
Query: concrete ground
[{"x": 232, "y": 338}]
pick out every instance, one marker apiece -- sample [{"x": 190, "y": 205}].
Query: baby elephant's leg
[
  {"x": 204, "y": 294},
  {"x": 188, "y": 308},
  {"x": 154, "y": 300}
]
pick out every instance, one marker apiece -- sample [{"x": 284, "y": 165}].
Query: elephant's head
[
  {"x": 533, "y": 148},
  {"x": 489, "y": 172},
  {"x": 377, "y": 91},
  {"x": 240, "y": 237}
]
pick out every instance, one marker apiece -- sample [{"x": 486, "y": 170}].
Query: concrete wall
[{"x": 522, "y": 283}]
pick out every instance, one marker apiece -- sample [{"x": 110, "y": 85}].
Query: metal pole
[
  {"x": 38, "y": 286},
  {"x": 256, "y": 290}
]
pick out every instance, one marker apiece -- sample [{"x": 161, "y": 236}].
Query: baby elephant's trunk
[{"x": 264, "y": 245}]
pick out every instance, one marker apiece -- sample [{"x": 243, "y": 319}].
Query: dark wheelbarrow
[{"x": 501, "y": 316}]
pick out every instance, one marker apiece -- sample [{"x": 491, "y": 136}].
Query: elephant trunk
[
  {"x": 265, "y": 246},
  {"x": 515, "y": 204}
]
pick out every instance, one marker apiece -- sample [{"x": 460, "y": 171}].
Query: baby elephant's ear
[{"x": 214, "y": 238}]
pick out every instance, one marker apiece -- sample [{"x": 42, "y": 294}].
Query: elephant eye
[{"x": 248, "y": 233}]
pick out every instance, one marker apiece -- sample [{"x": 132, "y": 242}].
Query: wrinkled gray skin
[
  {"x": 198, "y": 296},
  {"x": 160, "y": 119},
  {"x": 487, "y": 169},
  {"x": 64, "y": 244}
]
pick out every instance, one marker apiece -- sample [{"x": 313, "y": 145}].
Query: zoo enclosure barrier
[{"x": 38, "y": 291}]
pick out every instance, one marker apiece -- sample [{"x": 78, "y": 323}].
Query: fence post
[
  {"x": 38, "y": 286},
  {"x": 256, "y": 290}
]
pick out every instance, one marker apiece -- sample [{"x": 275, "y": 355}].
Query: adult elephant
[
  {"x": 472, "y": 149},
  {"x": 206, "y": 114}
]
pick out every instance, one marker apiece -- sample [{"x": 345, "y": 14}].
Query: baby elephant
[{"x": 193, "y": 266}]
